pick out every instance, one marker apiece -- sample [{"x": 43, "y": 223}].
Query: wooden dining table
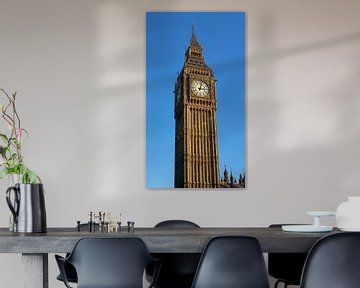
[{"x": 35, "y": 247}]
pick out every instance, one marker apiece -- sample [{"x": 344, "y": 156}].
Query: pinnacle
[{"x": 194, "y": 41}]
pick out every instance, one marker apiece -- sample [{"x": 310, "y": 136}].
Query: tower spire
[
  {"x": 194, "y": 53},
  {"x": 193, "y": 41}
]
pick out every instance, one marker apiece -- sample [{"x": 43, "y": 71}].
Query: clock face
[{"x": 199, "y": 88}]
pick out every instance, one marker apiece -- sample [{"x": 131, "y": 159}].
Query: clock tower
[{"x": 196, "y": 142}]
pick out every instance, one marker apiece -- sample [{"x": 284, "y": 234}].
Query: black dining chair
[
  {"x": 286, "y": 267},
  {"x": 178, "y": 269},
  {"x": 108, "y": 263},
  {"x": 232, "y": 262},
  {"x": 333, "y": 262},
  {"x": 69, "y": 269}
]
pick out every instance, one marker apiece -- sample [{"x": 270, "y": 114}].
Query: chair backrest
[
  {"x": 176, "y": 224},
  {"x": 178, "y": 269},
  {"x": 232, "y": 262},
  {"x": 110, "y": 262},
  {"x": 333, "y": 262}
]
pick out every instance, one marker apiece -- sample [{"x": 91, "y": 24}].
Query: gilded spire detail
[{"x": 194, "y": 41}]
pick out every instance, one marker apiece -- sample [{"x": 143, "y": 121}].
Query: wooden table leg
[{"x": 35, "y": 270}]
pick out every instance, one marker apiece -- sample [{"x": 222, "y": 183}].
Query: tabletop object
[{"x": 316, "y": 227}]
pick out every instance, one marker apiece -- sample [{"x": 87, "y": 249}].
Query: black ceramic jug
[{"x": 28, "y": 207}]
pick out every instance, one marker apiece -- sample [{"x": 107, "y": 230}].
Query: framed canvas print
[{"x": 195, "y": 100}]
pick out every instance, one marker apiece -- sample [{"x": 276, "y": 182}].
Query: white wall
[{"x": 79, "y": 70}]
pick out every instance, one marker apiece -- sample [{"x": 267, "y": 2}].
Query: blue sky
[{"x": 222, "y": 37}]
